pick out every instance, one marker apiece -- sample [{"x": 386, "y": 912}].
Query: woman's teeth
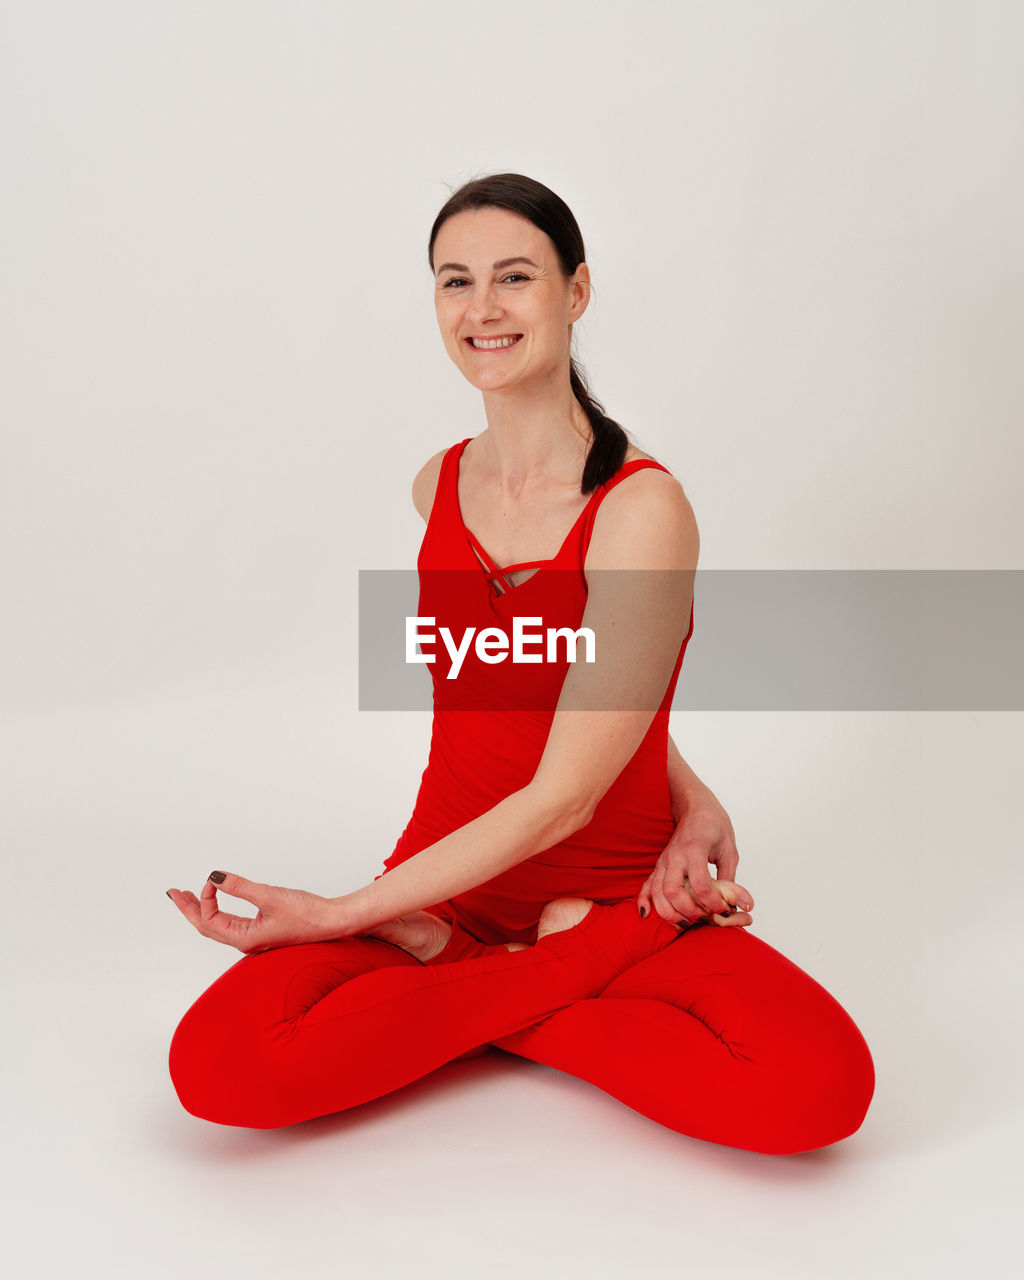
[{"x": 492, "y": 344}]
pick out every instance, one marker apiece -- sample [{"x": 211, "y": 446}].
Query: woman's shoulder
[
  {"x": 643, "y": 483},
  {"x": 646, "y": 510},
  {"x": 635, "y": 454},
  {"x": 653, "y": 477},
  {"x": 424, "y": 485}
]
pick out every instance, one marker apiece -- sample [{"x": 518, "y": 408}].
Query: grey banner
[{"x": 779, "y": 640}]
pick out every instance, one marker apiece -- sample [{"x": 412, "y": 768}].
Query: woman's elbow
[{"x": 562, "y": 812}]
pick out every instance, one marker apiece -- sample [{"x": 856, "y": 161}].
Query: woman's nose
[{"x": 484, "y": 304}]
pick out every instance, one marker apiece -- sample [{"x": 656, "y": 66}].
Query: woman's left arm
[{"x": 681, "y": 886}]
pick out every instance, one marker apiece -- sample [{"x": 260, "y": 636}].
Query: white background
[{"x": 221, "y": 371}]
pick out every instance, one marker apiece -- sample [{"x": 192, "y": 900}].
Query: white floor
[{"x": 882, "y": 850}]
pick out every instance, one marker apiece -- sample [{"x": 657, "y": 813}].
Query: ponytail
[{"x": 608, "y": 448}]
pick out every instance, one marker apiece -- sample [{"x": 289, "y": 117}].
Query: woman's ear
[{"x": 579, "y": 292}]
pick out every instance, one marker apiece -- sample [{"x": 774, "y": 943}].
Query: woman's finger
[
  {"x": 674, "y": 904},
  {"x": 237, "y": 887},
  {"x": 222, "y": 925},
  {"x": 727, "y": 861},
  {"x": 701, "y": 888},
  {"x": 188, "y": 905},
  {"x": 643, "y": 898},
  {"x": 209, "y": 907},
  {"x": 232, "y": 930}
]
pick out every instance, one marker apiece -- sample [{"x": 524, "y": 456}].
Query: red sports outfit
[{"x": 710, "y": 1032}]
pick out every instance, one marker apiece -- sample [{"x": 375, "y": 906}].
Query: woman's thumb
[{"x": 236, "y": 886}]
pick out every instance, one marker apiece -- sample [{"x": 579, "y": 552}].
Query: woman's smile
[{"x": 500, "y": 342}]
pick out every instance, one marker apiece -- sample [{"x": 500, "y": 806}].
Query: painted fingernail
[
  {"x": 169, "y": 895},
  {"x": 643, "y": 913},
  {"x": 218, "y": 877}
]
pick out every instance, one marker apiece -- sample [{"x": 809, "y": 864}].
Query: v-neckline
[{"x": 476, "y": 546}]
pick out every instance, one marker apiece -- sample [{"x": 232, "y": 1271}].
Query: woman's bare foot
[
  {"x": 424, "y": 935},
  {"x": 733, "y": 914},
  {"x": 562, "y": 913},
  {"x": 421, "y": 934},
  {"x": 558, "y": 915}
]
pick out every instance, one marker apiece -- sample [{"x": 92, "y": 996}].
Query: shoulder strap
[
  {"x": 445, "y": 493},
  {"x": 590, "y": 512},
  {"x": 628, "y": 468}
]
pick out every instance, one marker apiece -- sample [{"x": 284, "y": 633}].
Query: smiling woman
[
  {"x": 551, "y": 893},
  {"x": 506, "y": 321}
]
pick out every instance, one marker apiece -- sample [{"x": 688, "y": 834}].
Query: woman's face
[{"x": 503, "y": 305}]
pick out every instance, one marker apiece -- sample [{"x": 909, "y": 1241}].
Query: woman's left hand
[
  {"x": 681, "y": 888},
  {"x": 286, "y": 916}
]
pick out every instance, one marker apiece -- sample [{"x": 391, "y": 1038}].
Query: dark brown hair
[{"x": 549, "y": 212}]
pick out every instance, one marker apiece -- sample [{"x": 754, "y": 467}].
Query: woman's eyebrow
[{"x": 505, "y": 262}]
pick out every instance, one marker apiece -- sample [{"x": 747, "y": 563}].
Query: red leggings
[{"x": 710, "y": 1032}]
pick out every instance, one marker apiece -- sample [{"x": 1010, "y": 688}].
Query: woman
[{"x": 551, "y": 893}]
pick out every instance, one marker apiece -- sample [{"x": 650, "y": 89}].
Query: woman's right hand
[{"x": 286, "y": 917}]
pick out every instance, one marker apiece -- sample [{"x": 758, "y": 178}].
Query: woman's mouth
[{"x": 501, "y": 343}]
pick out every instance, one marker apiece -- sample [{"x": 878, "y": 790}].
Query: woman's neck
[{"x": 530, "y": 439}]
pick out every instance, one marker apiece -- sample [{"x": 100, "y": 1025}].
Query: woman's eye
[{"x": 457, "y": 281}]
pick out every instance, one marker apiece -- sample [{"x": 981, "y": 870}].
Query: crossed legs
[{"x": 712, "y": 1033}]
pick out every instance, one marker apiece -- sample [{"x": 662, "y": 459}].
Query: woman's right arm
[
  {"x": 522, "y": 824},
  {"x": 604, "y": 711}
]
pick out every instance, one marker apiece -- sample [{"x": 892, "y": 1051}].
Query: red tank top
[{"x": 484, "y": 745}]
